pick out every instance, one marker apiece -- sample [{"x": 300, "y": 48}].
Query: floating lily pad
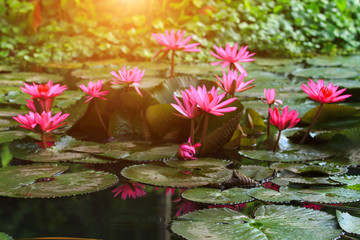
[
  {"x": 8, "y": 122},
  {"x": 313, "y": 194},
  {"x": 274, "y": 61},
  {"x": 17, "y": 97},
  {"x": 31, "y": 77},
  {"x": 329, "y": 112},
  {"x": 9, "y": 136},
  {"x": 351, "y": 61},
  {"x": 296, "y": 155},
  {"x": 216, "y": 196},
  {"x": 41, "y": 181},
  {"x": 284, "y": 69},
  {"x": 121, "y": 150},
  {"x": 350, "y": 180},
  {"x": 328, "y": 169},
  {"x": 270, "y": 222},
  {"x": 324, "y": 61},
  {"x": 93, "y": 74},
  {"x": 197, "y": 69},
  {"x": 12, "y": 112},
  {"x": 181, "y": 177},
  {"x": 258, "y": 173},
  {"x": 200, "y": 163},
  {"x": 325, "y": 73},
  {"x": 85, "y": 147},
  {"x": 284, "y": 181},
  {"x": 154, "y": 153},
  {"x": 349, "y": 223}
]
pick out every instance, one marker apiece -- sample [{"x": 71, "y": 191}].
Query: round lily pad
[
  {"x": 269, "y": 222},
  {"x": 295, "y": 155},
  {"x": 328, "y": 169},
  {"x": 197, "y": 69},
  {"x": 216, "y": 196},
  {"x": 31, "y": 77},
  {"x": 201, "y": 163},
  {"x": 121, "y": 150},
  {"x": 349, "y": 223},
  {"x": 351, "y": 61},
  {"x": 284, "y": 181},
  {"x": 176, "y": 177},
  {"x": 325, "y": 73},
  {"x": 258, "y": 173},
  {"x": 274, "y": 61},
  {"x": 93, "y": 74},
  {"x": 352, "y": 182},
  {"x": 9, "y": 136},
  {"x": 7, "y": 68},
  {"x": 41, "y": 181},
  {"x": 324, "y": 61},
  {"x": 313, "y": 194},
  {"x": 153, "y": 153}
]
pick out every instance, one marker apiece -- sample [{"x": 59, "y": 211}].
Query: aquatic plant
[
  {"x": 232, "y": 82},
  {"x": 270, "y": 100},
  {"x": 130, "y": 77},
  {"x": 187, "y": 150}
]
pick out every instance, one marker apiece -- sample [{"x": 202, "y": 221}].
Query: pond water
[{"x": 141, "y": 153}]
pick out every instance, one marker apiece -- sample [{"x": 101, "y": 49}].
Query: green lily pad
[
  {"x": 180, "y": 177},
  {"x": 313, "y": 194},
  {"x": 216, "y": 196},
  {"x": 325, "y": 73},
  {"x": 30, "y": 77},
  {"x": 351, "y": 61},
  {"x": 154, "y": 153},
  {"x": 324, "y": 61},
  {"x": 93, "y": 74},
  {"x": 258, "y": 173},
  {"x": 329, "y": 112},
  {"x": 287, "y": 69},
  {"x": 4, "y": 236},
  {"x": 197, "y": 69},
  {"x": 328, "y": 169},
  {"x": 269, "y": 222},
  {"x": 121, "y": 150},
  {"x": 274, "y": 61},
  {"x": 17, "y": 97},
  {"x": 9, "y": 136},
  {"x": 349, "y": 223},
  {"x": 12, "y": 112},
  {"x": 7, "y": 68},
  {"x": 298, "y": 179},
  {"x": 350, "y": 180},
  {"x": 41, "y": 181},
  {"x": 295, "y": 155},
  {"x": 200, "y": 163}
]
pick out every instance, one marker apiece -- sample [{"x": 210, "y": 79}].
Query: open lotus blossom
[
  {"x": 232, "y": 82},
  {"x": 94, "y": 90},
  {"x": 270, "y": 97},
  {"x": 189, "y": 109},
  {"x": 187, "y": 150},
  {"x": 282, "y": 121},
  {"x": 175, "y": 41},
  {"x": 209, "y": 101},
  {"x": 41, "y": 122},
  {"x": 130, "y": 190},
  {"x": 323, "y": 94},
  {"x": 131, "y": 77},
  {"x": 44, "y": 93},
  {"x": 231, "y": 56}
]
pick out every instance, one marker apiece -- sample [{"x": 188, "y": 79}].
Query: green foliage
[{"x": 91, "y": 29}]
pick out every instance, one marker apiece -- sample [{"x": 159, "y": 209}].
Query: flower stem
[
  {"x": 268, "y": 123},
  {"x": 172, "y": 62},
  {"x": 277, "y": 141},
  {"x": 312, "y": 124},
  {"x": 192, "y": 131},
  {"x": 43, "y": 140},
  {"x": 99, "y": 116},
  {"x": 206, "y": 122}
]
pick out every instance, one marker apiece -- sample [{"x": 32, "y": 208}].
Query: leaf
[
  {"x": 153, "y": 153},
  {"x": 324, "y": 61},
  {"x": 270, "y": 222},
  {"x": 216, "y": 196},
  {"x": 310, "y": 169},
  {"x": 325, "y": 73},
  {"x": 349, "y": 223},
  {"x": 329, "y": 112},
  {"x": 41, "y": 181},
  {"x": 258, "y": 173},
  {"x": 9, "y": 136},
  {"x": 4, "y": 236},
  {"x": 202, "y": 172}
]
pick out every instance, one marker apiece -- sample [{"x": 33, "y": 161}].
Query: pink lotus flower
[
  {"x": 231, "y": 56},
  {"x": 41, "y": 123},
  {"x": 189, "y": 109},
  {"x": 232, "y": 82},
  {"x": 43, "y": 91},
  {"x": 174, "y": 41},
  {"x": 94, "y": 90},
  {"x": 130, "y": 190},
  {"x": 210, "y": 101},
  {"x": 187, "y": 151},
  {"x": 270, "y": 97},
  {"x": 129, "y": 77},
  {"x": 285, "y": 120},
  {"x": 323, "y": 94}
]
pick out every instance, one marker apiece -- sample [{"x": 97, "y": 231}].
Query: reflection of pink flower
[
  {"x": 43, "y": 91},
  {"x": 187, "y": 151},
  {"x": 94, "y": 90},
  {"x": 312, "y": 206},
  {"x": 232, "y": 82},
  {"x": 129, "y": 77},
  {"x": 184, "y": 206},
  {"x": 210, "y": 101},
  {"x": 270, "y": 97},
  {"x": 167, "y": 190},
  {"x": 272, "y": 186},
  {"x": 189, "y": 109},
  {"x": 285, "y": 120},
  {"x": 175, "y": 41},
  {"x": 230, "y": 55},
  {"x": 130, "y": 190},
  {"x": 323, "y": 94},
  {"x": 41, "y": 123}
]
